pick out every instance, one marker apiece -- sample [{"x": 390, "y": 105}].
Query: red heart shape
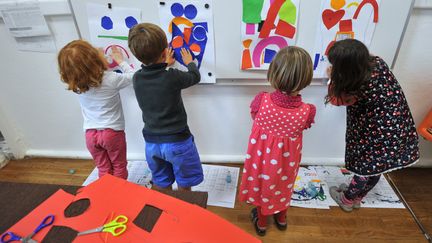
[{"x": 331, "y": 18}]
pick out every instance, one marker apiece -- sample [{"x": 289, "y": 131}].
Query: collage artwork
[{"x": 266, "y": 27}]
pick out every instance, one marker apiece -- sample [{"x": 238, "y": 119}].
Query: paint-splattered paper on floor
[
  {"x": 310, "y": 191},
  {"x": 381, "y": 196}
]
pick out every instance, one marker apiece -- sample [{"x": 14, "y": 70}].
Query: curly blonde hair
[{"x": 81, "y": 66}]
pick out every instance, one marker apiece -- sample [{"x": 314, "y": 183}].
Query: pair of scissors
[
  {"x": 115, "y": 227},
  {"x": 10, "y": 236}
]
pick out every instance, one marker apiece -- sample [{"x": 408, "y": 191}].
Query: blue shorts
[{"x": 178, "y": 161}]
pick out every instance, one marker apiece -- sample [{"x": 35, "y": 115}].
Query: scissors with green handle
[{"x": 115, "y": 227}]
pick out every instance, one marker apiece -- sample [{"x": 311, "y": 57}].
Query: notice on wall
[{"x": 25, "y": 22}]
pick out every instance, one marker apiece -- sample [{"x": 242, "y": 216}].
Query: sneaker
[
  {"x": 356, "y": 202},
  {"x": 338, "y": 197},
  {"x": 254, "y": 217},
  {"x": 280, "y": 226}
]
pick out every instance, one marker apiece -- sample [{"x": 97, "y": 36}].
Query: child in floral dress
[
  {"x": 275, "y": 143},
  {"x": 380, "y": 132}
]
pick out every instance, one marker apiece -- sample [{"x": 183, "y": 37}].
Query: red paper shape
[
  {"x": 331, "y": 18},
  {"x": 187, "y": 34},
  {"x": 375, "y": 8},
  {"x": 270, "y": 19},
  {"x": 55, "y": 205},
  {"x": 345, "y": 25},
  {"x": 285, "y": 29},
  {"x": 111, "y": 196}
]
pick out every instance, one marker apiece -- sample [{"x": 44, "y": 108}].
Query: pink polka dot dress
[{"x": 274, "y": 154}]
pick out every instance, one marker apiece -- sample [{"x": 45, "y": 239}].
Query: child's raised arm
[
  {"x": 123, "y": 79},
  {"x": 192, "y": 76}
]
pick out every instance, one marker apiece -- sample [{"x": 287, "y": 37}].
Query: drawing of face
[
  {"x": 108, "y": 24},
  {"x": 187, "y": 34}
]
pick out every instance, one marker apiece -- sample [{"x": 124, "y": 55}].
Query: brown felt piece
[
  {"x": 147, "y": 218},
  {"x": 77, "y": 208},
  {"x": 19, "y": 199},
  {"x": 60, "y": 234}
]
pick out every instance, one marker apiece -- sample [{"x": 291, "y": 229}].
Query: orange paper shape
[
  {"x": 111, "y": 196},
  {"x": 187, "y": 34},
  {"x": 425, "y": 128},
  {"x": 177, "y": 42}
]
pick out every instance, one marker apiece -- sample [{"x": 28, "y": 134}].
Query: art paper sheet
[
  {"x": 310, "y": 191},
  {"x": 189, "y": 25},
  {"x": 381, "y": 196},
  {"x": 267, "y": 26},
  {"x": 221, "y": 184},
  {"x": 219, "y": 181},
  {"x": 139, "y": 173},
  {"x": 110, "y": 27},
  {"x": 342, "y": 19}
]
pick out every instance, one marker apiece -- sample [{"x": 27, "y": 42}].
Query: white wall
[{"x": 40, "y": 118}]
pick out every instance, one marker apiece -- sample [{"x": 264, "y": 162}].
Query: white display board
[{"x": 227, "y": 20}]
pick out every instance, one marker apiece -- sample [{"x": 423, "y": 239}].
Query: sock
[
  {"x": 262, "y": 219},
  {"x": 281, "y": 217}
]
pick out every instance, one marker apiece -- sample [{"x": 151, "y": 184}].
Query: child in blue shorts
[{"x": 170, "y": 149}]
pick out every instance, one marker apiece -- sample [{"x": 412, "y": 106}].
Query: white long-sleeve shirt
[{"x": 101, "y": 106}]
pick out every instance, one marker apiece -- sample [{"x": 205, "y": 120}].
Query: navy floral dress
[{"x": 381, "y": 134}]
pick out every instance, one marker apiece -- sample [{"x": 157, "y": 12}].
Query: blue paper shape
[
  {"x": 177, "y": 9},
  {"x": 269, "y": 55},
  {"x": 199, "y": 32},
  {"x": 190, "y": 11},
  {"x": 203, "y": 29},
  {"x": 130, "y": 22},
  {"x": 106, "y": 23}
]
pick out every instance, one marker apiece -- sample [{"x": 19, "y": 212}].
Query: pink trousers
[{"x": 108, "y": 149}]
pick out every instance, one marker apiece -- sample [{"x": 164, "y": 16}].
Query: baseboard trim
[{"x": 207, "y": 158}]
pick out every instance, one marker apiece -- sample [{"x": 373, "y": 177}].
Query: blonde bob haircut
[
  {"x": 81, "y": 66},
  {"x": 291, "y": 70}
]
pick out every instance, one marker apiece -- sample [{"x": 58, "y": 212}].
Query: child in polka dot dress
[{"x": 275, "y": 143}]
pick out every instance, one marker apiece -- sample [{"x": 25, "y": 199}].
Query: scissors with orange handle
[{"x": 115, "y": 227}]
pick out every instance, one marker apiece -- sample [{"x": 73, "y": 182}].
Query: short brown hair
[
  {"x": 147, "y": 42},
  {"x": 81, "y": 66},
  {"x": 291, "y": 70}
]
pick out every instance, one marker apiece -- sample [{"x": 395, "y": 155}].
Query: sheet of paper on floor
[
  {"x": 381, "y": 196},
  {"x": 307, "y": 184},
  {"x": 220, "y": 192},
  {"x": 139, "y": 173}
]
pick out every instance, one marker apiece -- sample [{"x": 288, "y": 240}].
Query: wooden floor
[{"x": 305, "y": 225}]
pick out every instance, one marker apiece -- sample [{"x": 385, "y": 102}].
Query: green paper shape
[
  {"x": 252, "y": 11},
  {"x": 113, "y": 37},
  {"x": 288, "y": 12}
]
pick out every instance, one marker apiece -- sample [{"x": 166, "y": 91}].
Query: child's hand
[
  {"x": 186, "y": 56},
  {"x": 116, "y": 55},
  {"x": 170, "y": 57}
]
